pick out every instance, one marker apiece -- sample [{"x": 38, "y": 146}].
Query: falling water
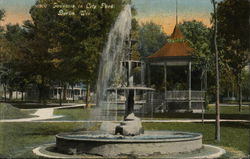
[{"x": 110, "y": 63}]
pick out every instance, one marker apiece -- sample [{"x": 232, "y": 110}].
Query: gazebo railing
[
  {"x": 179, "y": 95},
  {"x": 159, "y": 101},
  {"x": 184, "y": 95}
]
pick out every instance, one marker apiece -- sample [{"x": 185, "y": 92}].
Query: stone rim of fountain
[
  {"x": 96, "y": 136},
  {"x": 150, "y": 143},
  {"x": 208, "y": 151}
]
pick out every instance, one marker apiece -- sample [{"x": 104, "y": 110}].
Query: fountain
[
  {"x": 128, "y": 137},
  {"x": 115, "y": 79}
]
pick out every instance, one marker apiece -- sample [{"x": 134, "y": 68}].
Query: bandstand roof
[{"x": 176, "y": 51}]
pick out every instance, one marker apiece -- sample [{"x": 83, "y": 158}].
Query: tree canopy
[
  {"x": 151, "y": 38},
  {"x": 62, "y": 49},
  {"x": 233, "y": 30},
  {"x": 198, "y": 36},
  {"x": 2, "y": 13}
]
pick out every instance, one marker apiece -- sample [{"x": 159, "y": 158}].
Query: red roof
[{"x": 176, "y": 46}]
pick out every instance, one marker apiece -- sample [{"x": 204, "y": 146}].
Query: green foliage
[
  {"x": 233, "y": 30},
  {"x": 56, "y": 50},
  {"x": 10, "y": 73},
  {"x": 233, "y": 16},
  {"x": 151, "y": 38},
  {"x": 135, "y": 38},
  {"x": 2, "y": 13},
  {"x": 199, "y": 37},
  {"x": 75, "y": 42}
]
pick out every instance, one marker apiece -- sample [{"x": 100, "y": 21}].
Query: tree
[
  {"x": 135, "y": 54},
  {"x": 151, "y": 38},
  {"x": 36, "y": 59},
  {"x": 217, "y": 130},
  {"x": 233, "y": 28},
  {"x": 246, "y": 85},
  {"x": 2, "y": 14},
  {"x": 74, "y": 42},
  {"x": 9, "y": 58},
  {"x": 2, "y": 49}
]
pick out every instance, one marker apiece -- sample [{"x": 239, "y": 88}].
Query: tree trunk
[
  {"x": 232, "y": 94},
  {"x": 41, "y": 100},
  {"x": 10, "y": 94},
  {"x": 87, "y": 96},
  {"x": 40, "y": 94},
  {"x": 60, "y": 97},
  {"x": 41, "y": 88},
  {"x": 240, "y": 94},
  {"x": 5, "y": 93},
  {"x": 60, "y": 93},
  {"x": 217, "y": 131},
  {"x": 64, "y": 92},
  {"x": 22, "y": 96}
]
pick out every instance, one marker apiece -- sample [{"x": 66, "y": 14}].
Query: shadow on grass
[
  {"x": 240, "y": 125},
  {"x": 198, "y": 116}
]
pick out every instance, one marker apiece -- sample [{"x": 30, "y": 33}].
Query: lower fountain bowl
[{"x": 149, "y": 143}]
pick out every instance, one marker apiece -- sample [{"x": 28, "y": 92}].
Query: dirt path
[{"x": 40, "y": 114}]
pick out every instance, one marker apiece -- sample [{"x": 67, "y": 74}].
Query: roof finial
[{"x": 176, "y": 12}]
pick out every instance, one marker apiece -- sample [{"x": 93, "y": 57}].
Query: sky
[{"x": 162, "y": 12}]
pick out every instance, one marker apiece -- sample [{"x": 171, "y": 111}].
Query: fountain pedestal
[{"x": 131, "y": 126}]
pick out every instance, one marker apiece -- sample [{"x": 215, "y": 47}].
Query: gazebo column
[
  {"x": 142, "y": 73},
  {"x": 149, "y": 73},
  {"x": 57, "y": 93},
  {"x": 165, "y": 79},
  {"x": 134, "y": 94},
  {"x": 130, "y": 83},
  {"x": 121, "y": 66},
  {"x": 189, "y": 87}
]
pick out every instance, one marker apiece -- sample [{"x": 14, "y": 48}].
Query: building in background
[{"x": 77, "y": 92}]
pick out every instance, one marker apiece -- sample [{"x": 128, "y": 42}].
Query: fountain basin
[{"x": 149, "y": 143}]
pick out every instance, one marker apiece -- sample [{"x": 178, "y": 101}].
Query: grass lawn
[
  {"x": 7, "y": 111},
  {"x": 73, "y": 113},
  {"x": 18, "y": 139},
  {"x": 227, "y": 112},
  {"x": 235, "y": 135}
]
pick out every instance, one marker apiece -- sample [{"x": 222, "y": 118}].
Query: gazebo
[{"x": 176, "y": 52}]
